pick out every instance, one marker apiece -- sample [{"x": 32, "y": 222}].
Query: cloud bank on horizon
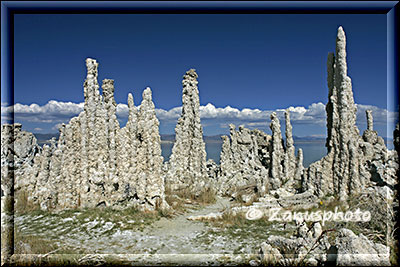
[{"x": 52, "y": 114}]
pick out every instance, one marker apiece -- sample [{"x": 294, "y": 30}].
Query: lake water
[{"x": 312, "y": 151}]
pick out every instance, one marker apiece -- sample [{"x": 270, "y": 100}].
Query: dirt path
[
  {"x": 179, "y": 235},
  {"x": 180, "y": 226}
]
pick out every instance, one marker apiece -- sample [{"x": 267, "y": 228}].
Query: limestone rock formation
[
  {"x": 369, "y": 135},
  {"x": 252, "y": 157},
  {"x": 354, "y": 166},
  {"x": 242, "y": 158},
  {"x": 126, "y": 155},
  {"x": 290, "y": 164},
  {"x": 299, "y": 169},
  {"x": 344, "y": 133},
  {"x": 309, "y": 246},
  {"x": 352, "y": 161},
  {"x": 213, "y": 169},
  {"x": 22, "y": 146},
  {"x": 187, "y": 164},
  {"x": 112, "y": 126},
  {"x": 95, "y": 162},
  {"x": 7, "y": 192},
  {"x": 277, "y": 153},
  {"x": 280, "y": 199},
  {"x": 149, "y": 165},
  {"x": 353, "y": 250}
]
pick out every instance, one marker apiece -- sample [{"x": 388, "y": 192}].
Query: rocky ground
[
  {"x": 195, "y": 233},
  {"x": 113, "y": 232}
]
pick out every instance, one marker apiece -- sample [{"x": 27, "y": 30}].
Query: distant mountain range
[
  {"x": 207, "y": 139},
  {"x": 45, "y": 138},
  {"x": 170, "y": 138}
]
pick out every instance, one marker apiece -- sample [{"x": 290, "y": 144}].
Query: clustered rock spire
[
  {"x": 290, "y": 160},
  {"x": 346, "y": 136},
  {"x": 241, "y": 160},
  {"x": 187, "y": 164},
  {"x": 95, "y": 162},
  {"x": 277, "y": 153},
  {"x": 251, "y": 157},
  {"x": 351, "y": 160},
  {"x": 149, "y": 164}
]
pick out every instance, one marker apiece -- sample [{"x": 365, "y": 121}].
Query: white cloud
[
  {"x": 57, "y": 126},
  {"x": 381, "y": 116},
  {"x": 55, "y": 112},
  {"x": 122, "y": 110},
  {"x": 168, "y": 115},
  {"x": 52, "y": 112}
]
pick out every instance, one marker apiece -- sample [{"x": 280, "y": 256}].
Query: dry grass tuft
[
  {"x": 30, "y": 244},
  {"x": 179, "y": 199},
  {"x": 22, "y": 205},
  {"x": 207, "y": 196}
]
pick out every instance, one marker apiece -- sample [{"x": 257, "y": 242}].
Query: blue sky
[{"x": 254, "y": 62}]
